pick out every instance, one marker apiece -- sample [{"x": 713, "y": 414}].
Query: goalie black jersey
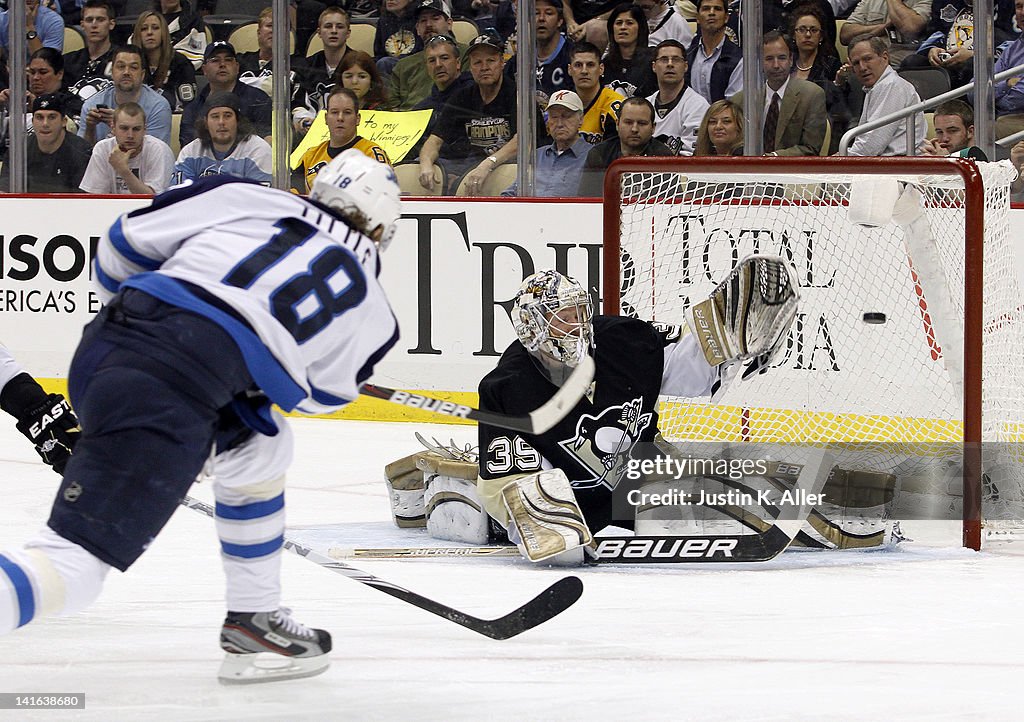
[{"x": 592, "y": 442}]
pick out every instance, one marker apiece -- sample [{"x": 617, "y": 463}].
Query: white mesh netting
[{"x": 878, "y": 391}]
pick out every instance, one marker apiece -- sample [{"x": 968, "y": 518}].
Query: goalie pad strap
[
  {"x": 432, "y": 464},
  {"x": 404, "y": 481},
  {"x": 547, "y": 520},
  {"x": 454, "y": 510}
]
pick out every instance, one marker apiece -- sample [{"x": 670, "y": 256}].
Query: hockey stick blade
[
  {"x": 548, "y": 604},
  {"x": 537, "y": 421}
]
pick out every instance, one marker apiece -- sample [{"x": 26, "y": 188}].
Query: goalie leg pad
[
  {"x": 544, "y": 518},
  {"x": 404, "y": 481},
  {"x": 453, "y": 507},
  {"x": 855, "y": 513}
]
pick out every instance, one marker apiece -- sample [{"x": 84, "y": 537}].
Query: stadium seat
[
  {"x": 175, "y": 130},
  {"x": 929, "y": 121},
  {"x": 1009, "y": 124},
  {"x": 361, "y": 39},
  {"x": 500, "y": 178},
  {"x": 464, "y": 31},
  {"x": 840, "y": 48},
  {"x": 929, "y": 82},
  {"x": 828, "y": 139},
  {"x": 73, "y": 40},
  {"x": 409, "y": 180},
  {"x": 244, "y": 40}
]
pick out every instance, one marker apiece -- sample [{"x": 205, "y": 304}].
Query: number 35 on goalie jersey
[
  {"x": 301, "y": 279},
  {"x": 634, "y": 361}
]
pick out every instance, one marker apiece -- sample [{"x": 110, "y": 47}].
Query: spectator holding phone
[{"x": 129, "y": 72}]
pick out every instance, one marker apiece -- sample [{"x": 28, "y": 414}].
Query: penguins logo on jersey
[
  {"x": 311, "y": 173},
  {"x": 602, "y": 443},
  {"x": 88, "y": 87}
]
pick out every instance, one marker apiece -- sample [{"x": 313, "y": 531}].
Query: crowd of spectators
[{"x": 653, "y": 77}]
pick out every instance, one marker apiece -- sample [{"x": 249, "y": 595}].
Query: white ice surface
[{"x": 919, "y": 633}]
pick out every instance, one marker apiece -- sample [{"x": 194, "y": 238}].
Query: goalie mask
[
  {"x": 362, "y": 191},
  {"x": 553, "y": 318}
]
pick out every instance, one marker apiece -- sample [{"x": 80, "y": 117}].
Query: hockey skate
[{"x": 270, "y": 646}]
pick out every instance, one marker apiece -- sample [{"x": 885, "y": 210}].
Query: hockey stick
[
  {"x": 721, "y": 548},
  {"x": 724, "y": 548},
  {"x": 536, "y": 422},
  {"x": 422, "y": 552},
  {"x": 551, "y": 602}
]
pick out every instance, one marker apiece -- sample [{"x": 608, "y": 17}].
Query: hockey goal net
[{"x": 907, "y": 352}]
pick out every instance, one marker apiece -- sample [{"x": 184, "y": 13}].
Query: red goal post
[{"x": 654, "y": 207}]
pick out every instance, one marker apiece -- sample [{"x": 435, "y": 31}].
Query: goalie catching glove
[
  {"x": 748, "y": 314},
  {"x": 47, "y": 420}
]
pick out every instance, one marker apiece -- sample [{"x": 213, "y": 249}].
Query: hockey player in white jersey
[{"x": 223, "y": 297}]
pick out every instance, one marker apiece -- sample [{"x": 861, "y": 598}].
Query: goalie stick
[
  {"x": 550, "y": 603},
  {"x": 537, "y": 421},
  {"x": 724, "y": 548},
  {"x": 721, "y": 548}
]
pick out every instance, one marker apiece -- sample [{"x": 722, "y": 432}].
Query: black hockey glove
[{"x": 47, "y": 420}]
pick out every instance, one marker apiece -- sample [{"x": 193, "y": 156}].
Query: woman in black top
[
  {"x": 627, "y": 64},
  {"x": 818, "y": 62},
  {"x": 167, "y": 71}
]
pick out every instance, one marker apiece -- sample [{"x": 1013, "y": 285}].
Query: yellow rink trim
[
  {"x": 699, "y": 422},
  {"x": 736, "y": 423}
]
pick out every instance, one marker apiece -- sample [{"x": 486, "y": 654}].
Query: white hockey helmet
[
  {"x": 553, "y": 318},
  {"x": 363, "y": 191}
]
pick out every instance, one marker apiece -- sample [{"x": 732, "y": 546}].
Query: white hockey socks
[
  {"x": 544, "y": 519},
  {"x": 48, "y": 576},
  {"x": 250, "y": 518},
  {"x": 251, "y": 531}
]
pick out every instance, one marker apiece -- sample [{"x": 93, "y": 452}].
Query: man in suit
[{"x": 795, "y": 116}]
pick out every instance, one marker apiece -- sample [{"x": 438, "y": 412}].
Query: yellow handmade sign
[{"x": 395, "y": 132}]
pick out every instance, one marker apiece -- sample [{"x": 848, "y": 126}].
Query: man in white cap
[{"x": 560, "y": 164}]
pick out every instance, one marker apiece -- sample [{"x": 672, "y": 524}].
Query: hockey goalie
[{"x": 548, "y": 492}]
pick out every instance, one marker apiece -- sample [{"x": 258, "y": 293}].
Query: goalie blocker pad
[{"x": 544, "y": 518}]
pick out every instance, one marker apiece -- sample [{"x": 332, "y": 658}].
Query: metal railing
[{"x": 911, "y": 111}]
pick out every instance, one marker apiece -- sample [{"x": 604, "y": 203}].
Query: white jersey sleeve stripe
[
  {"x": 106, "y": 286},
  {"x": 121, "y": 244}
]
